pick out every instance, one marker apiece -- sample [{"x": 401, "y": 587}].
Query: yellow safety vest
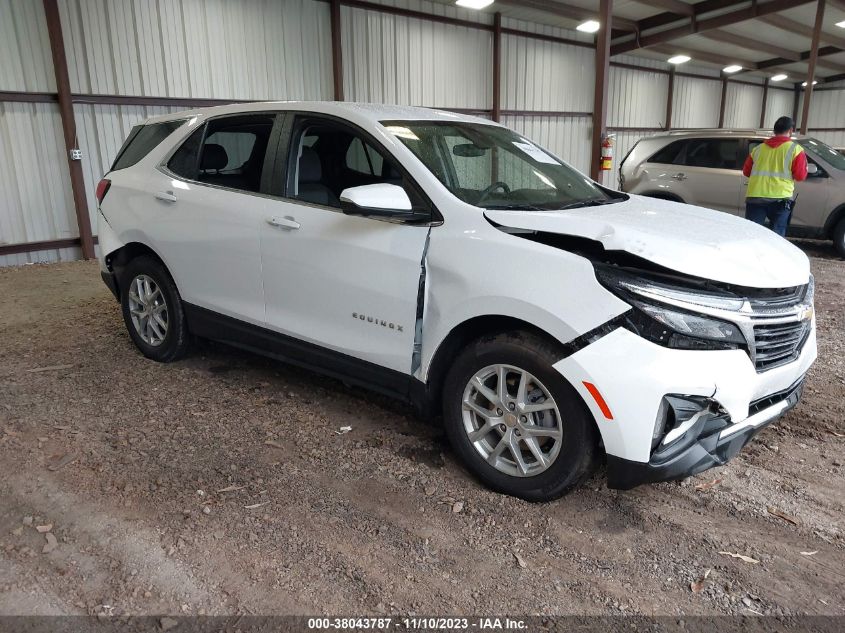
[{"x": 771, "y": 175}]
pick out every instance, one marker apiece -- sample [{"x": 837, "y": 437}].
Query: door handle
[
  {"x": 679, "y": 176},
  {"x": 165, "y": 196},
  {"x": 286, "y": 222}
]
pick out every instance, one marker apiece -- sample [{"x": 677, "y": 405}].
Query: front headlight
[{"x": 670, "y": 325}]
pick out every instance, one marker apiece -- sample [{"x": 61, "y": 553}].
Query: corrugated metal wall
[
  {"x": 25, "y": 60},
  {"x": 400, "y": 60},
  {"x": 779, "y": 103},
  {"x": 696, "y": 102},
  {"x": 549, "y": 76},
  {"x": 742, "y": 105},
  {"x": 35, "y": 196},
  {"x": 827, "y": 110},
  {"x": 250, "y": 49}
]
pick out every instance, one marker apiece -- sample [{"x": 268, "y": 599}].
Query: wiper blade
[
  {"x": 515, "y": 207},
  {"x": 587, "y": 203}
]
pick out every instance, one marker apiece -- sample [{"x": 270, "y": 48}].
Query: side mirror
[
  {"x": 379, "y": 201},
  {"x": 812, "y": 170}
]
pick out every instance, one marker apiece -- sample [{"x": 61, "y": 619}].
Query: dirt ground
[{"x": 219, "y": 485}]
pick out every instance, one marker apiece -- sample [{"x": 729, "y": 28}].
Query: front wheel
[
  {"x": 152, "y": 310},
  {"x": 515, "y": 421}
]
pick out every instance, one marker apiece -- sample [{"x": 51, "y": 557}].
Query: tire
[
  {"x": 839, "y": 237},
  {"x": 577, "y": 447},
  {"x": 164, "y": 301}
]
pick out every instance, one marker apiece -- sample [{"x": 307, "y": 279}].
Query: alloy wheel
[
  {"x": 148, "y": 310},
  {"x": 512, "y": 420}
]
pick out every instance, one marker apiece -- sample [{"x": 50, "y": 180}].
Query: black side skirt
[{"x": 209, "y": 324}]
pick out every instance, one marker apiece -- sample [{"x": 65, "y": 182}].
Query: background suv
[
  {"x": 704, "y": 167},
  {"x": 449, "y": 261}
]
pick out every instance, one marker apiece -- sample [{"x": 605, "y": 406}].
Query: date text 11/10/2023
[{"x": 418, "y": 623}]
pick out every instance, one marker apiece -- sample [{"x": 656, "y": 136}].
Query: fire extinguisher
[{"x": 606, "y": 163}]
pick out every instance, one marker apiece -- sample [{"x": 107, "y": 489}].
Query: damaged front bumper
[{"x": 708, "y": 443}]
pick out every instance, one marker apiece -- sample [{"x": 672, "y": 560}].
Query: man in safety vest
[{"x": 772, "y": 170}]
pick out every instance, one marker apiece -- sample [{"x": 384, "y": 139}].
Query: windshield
[
  {"x": 816, "y": 149},
  {"x": 495, "y": 168}
]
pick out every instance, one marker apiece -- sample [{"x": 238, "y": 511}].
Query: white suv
[{"x": 449, "y": 261}]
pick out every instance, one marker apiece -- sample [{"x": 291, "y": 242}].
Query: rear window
[
  {"x": 669, "y": 155},
  {"x": 141, "y": 141}
]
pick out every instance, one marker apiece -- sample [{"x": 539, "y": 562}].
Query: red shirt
[{"x": 799, "y": 163}]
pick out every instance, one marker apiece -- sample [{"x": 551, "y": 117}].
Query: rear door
[
  {"x": 711, "y": 173},
  {"x": 209, "y": 200}
]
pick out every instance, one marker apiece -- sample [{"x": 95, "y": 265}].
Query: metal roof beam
[
  {"x": 752, "y": 44},
  {"x": 670, "y": 6},
  {"x": 824, "y": 51},
  {"x": 696, "y": 25},
  {"x": 699, "y": 8},
  {"x": 792, "y": 26},
  {"x": 714, "y": 58},
  {"x": 561, "y": 9}
]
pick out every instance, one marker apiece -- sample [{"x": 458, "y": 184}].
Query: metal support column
[
  {"x": 77, "y": 182},
  {"x": 600, "y": 93},
  {"x": 811, "y": 74}
]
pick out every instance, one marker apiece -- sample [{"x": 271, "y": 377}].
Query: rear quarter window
[
  {"x": 669, "y": 155},
  {"x": 141, "y": 141}
]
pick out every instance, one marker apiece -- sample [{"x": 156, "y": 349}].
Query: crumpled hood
[{"x": 688, "y": 239}]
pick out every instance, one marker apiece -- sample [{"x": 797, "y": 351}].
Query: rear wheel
[
  {"x": 839, "y": 237},
  {"x": 152, "y": 310},
  {"x": 515, "y": 421}
]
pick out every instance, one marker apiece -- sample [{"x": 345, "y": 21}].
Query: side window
[
  {"x": 670, "y": 155},
  {"x": 361, "y": 157},
  {"x": 328, "y": 157},
  {"x": 142, "y": 140},
  {"x": 714, "y": 153},
  {"x": 185, "y": 162},
  {"x": 231, "y": 153}
]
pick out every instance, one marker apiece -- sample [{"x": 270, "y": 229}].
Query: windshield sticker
[{"x": 536, "y": 153}]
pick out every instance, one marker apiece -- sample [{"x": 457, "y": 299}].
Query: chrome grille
[
  {"x": 784, "y": 298},
  {"x": 778, "y": 344}
]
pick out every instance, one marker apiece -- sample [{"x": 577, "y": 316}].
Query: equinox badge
[{"x": 375, "y": 321}]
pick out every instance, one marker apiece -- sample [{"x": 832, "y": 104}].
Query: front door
[{"x": 344, "y": 282}]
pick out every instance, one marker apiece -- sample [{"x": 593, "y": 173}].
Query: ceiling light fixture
[
  {"x": 841, "y": 24},
  {"x": 733, "y": 68},
  {"x": 780, "y": 77},
  {"x": 679, "y": 59},
  {"x": 474, "y": 4},
  {"x": 805, "y": 83},
  {"x": 590, "y": 26}
]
